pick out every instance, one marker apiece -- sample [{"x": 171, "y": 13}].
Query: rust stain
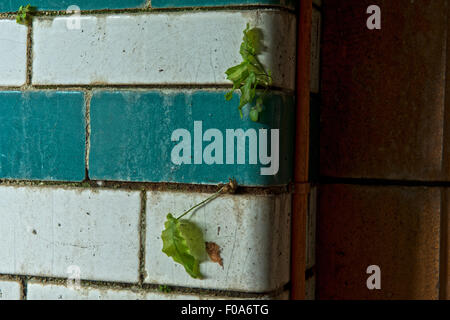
[{"x": 301, "y": 174}]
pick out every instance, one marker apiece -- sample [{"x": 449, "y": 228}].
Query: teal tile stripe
[
  {"x": 42, "y": 135},
  {"x": 131, "y": 136},
  {"x": 13, "y": 5},
  {"x": 209, "y": 3}
]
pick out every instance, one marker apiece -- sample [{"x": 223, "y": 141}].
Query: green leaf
[
  {"x": 24, "y": 14},
  {"x": 193, "y": 236},
  {"x": 246, "y": 48},
  {"x": 259, "y": 103},
  {"x": 229, "y": 95},
  {"x": 248, "y": 90},
  {"x": 238, "y": 73},
  {"x": 253, "y": 39},
  {"x": 183, "y": 242},
  {"x": 254, "y": 115},
  {"x": 164, "y": 289},
  {"x": 250, "y": 73}
]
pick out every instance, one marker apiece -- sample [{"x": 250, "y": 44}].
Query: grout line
[
  {"x": 29, "y": 59},
  {"x": 144, "y": 288},
  {"x": 7, "y": 16},
  {"x": 24, "y": 287},
  {"x": 146, "y": 186},
  {"x": 11, "y": 88},
  {"x": 150, "y": 10},
  {"x": 382, "y": 182},
  {"x": 142, "y": 238},
  {"x": 87, "y": 97},
  {"x": 237, "y": 7},
  {"x": 116, "y": 87}
]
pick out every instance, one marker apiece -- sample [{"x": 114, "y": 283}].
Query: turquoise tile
[
  {"x": 131, "y": 135},
  {"x": 42, "y": 135},
  {"x": 209, "y": 3},
  {"x": 13, "y": 5}
]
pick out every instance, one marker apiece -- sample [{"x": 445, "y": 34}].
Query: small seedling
[
  {"x": 183, "y": 240},
  {"x": 164, "y": 289},
  {"x": 25, "y": 14},
  {"x": 250, "y": 74}
]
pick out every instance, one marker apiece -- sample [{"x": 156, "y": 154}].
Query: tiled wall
[{"x": 85, "y": 148}]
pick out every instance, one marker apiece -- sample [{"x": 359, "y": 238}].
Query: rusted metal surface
[
  {"x": 445, "y": 218},
  {"x": 298, "y": 245},
  {"x": 396, "y": 228},
  {"x": 299, "y": 198},
  {"x": 383, "y": 90},
  {"x": 303, "y": 92}
]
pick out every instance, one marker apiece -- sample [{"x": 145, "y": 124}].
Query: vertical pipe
[
  {"x": 444, "y": 256},
  {"x": 301, "y": 186},
  {"x": 444, "y": 272}
]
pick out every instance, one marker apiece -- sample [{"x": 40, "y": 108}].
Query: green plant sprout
[
  {"x": 183, "y": 240},
  {"x": 250, "y": 74},
  {"x": 25, "y": 14},
  {"x": 164, "y": 289}
]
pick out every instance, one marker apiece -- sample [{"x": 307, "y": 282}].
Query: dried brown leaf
[{"x": 213, "y": 251}]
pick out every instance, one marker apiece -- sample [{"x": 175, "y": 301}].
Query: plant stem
[{"x": 215, "y": 195}]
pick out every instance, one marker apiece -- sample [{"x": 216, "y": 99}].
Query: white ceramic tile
[
  {"x": 253, "y": 232},
  {"x": 163, "y": 48},
  {"x": 44, "y": 231},
  {"x": 13, "y": 53}
]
